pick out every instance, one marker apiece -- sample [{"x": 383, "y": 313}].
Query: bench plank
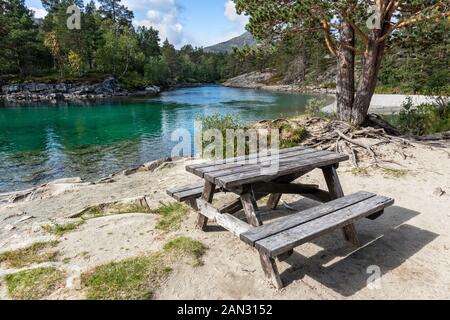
[
  {"x": 279, "y": 243},
  {"x": 302, "y": 217}
]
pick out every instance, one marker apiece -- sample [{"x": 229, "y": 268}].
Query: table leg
[
  {"x": 208, "y": 195},
  {"x": 250, "y": 211},
  {"x": 274, "y": 200},
  {"x": 335, "y": 189}
]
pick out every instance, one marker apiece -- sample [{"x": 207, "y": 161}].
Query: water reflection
[{"x": 39, "y": 143}]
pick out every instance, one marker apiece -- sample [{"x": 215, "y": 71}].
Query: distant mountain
[{"x": 227, "y": 46}]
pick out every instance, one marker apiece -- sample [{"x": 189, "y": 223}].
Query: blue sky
[{"x": 198, "y": 22}]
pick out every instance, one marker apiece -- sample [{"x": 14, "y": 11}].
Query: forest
[{"x": 109, "y": 44}]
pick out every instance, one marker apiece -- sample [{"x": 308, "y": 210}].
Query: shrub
[{"x": 427, "y": 118}]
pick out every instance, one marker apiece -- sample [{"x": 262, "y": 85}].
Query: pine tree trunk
[
  {"x": 368, "y": 81},
  {"x": 345, "y": 86}
]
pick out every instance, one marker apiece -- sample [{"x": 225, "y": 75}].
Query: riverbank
[
  {"x": 63, "y": 91},
  {"x": 380, "y": 104},
  {"x": 401, "y": 243}
]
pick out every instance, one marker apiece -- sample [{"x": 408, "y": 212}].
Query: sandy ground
[
  {"x": 410, "y": 243},
  {"x": 388, "y": 103}
]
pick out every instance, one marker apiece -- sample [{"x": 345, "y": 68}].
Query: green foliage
[
  {"x": 187, "y": 246},
  {"x": 314, "y": 107},
  {"x": 139, "y": 278},
  {"x": 292, "y": 136},
  {"x": 36, "y": 253},
  {"x": 424, "y": 119},
  {"x": 156, "y": 70},
  {"x": 34, "y": 284},
  {"x": 131, "y": 279},
  {"x": 172, "y": 215},
  {"x": 219, "y": 122},
  {"x": 62, "y": 229}
]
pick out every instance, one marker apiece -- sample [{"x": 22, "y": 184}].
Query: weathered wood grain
[
  {"x": 335, "y": 188},
  {"x": 270, "y": 269},
  {"x": 254, "y": 235},
  {"x": 227, "y": 221},
  {"x": 295, "y": 158},
  {"x": 222, "y": 169},
  {"x": 250, "y": 211},
  {"x": 208, "y": 195},
  {"x": 191, "y": 168},
  {"x": 257, "y": 175},
  {"x": 279, "y": 243}
]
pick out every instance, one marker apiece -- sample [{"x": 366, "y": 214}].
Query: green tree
[
  {"x": 344, "y": 24},
  {"x": 118, "y": 53},
  {"x": 116, "y": 12},
  {"x": 149, "y": 41},
  {"x": 156, "y": 70},
  {"x": 171, "y": 57},
  {"x": 18, "y": 34}
]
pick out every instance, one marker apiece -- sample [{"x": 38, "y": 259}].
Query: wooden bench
[
  {"x": 188, "y": 193},
  {"x": 278, "y": 239}
]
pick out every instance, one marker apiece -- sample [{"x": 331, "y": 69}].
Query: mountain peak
[{"x": 237, "y": 42}]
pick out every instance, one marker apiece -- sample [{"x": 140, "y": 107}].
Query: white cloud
[
  {"x": 231, "y": 14},
  {"x": 38, "y": 13},
  {"x": 163, "y": 15}
]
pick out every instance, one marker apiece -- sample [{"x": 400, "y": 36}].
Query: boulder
[{"x": 154, "y": 90}]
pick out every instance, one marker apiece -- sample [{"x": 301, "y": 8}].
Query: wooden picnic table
[{"x": 256, "y": 176}]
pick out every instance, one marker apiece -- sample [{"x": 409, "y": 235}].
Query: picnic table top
[{"x": 239, "y": 171}]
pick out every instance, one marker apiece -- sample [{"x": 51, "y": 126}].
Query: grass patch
[
  {"x": 107, "y": 210},
  {"x": 34, "y": 284},
  {"x": 292, "y": 137},
  {"x": 394, "y": 173},
  {"x": 62, "y": 229},
  {"x": 360, "y": 172},
  {"x": 131, "y": 279},
  {"x": 187, "y": 246},
  {"x": 172, "y": 215},
  {"x": 37, "y": 253},
  {"x": 133, "y": 208},
  {"x": 138, "y": 278}
]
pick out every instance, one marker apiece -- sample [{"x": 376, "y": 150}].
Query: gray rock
[{"x": 152, "y": 90}]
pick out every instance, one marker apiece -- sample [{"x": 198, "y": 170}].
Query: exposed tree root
[{"x": 377, "y": 143}]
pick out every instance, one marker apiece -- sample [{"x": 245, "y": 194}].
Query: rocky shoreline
[
  {"x": 259, "y": 81},
  {"x": 68, "y": 91}
]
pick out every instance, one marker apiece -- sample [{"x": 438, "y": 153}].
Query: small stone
[
  {"x": 25, "y": 219},
  {"x": 438, "y": 192},
  {"x": 9, "y": 227}
]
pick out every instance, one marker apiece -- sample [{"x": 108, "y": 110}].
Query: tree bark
[
  {"x": 345, "y": 86},
  {"x": 368, "y": 81}
]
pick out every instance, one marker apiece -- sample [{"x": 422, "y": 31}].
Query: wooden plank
[
  {"x": 335, "y": 188},
  {"x": 188, "y": 187},
  {"x": 254, "y": 235},
  {"x": 297, "y": 158},
  {"x": 277, "y": 244},
  {"x": 270, "y": 269},
  {"x": 285, "y": 169},
  {"x": 250, "y": 212},
  {"x": 274, "y": 200},
  {"x": 248, "y": 164},
  {"x": 191, "y": 168},
  {"x": 227, "y": 221},
  {"x": 208, "y": 195}
]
